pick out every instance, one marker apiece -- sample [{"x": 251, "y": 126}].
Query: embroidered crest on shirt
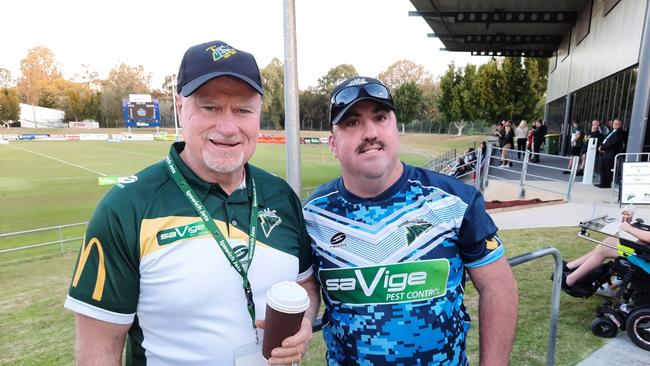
[
  {"x": 269, "y": 220},
  {"x": 414, "y": 228}
]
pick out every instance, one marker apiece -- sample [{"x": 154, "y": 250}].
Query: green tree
[
  {"x": 537, "y": 70},
  {"x": 450, "y": 100},
  {"x": 92, "y": 107},
  {"x": 404, "y": 71},
  {"x": 75, "y": 105},
  {"x": 9, "y": 106},
  {"x": 408, "y": 101},
  {"x": 335, "y": 76},
  {"x": 468, "y": 94},
  {"x": 47, "y": 99},
  {"x": 490, "y": 85},
  {"x": 273, "y": 100},
  {"x": 429, "y": 109},
  {"x": 122, "y": 80},
  {"x": 314, "y": 110},
  {"x": 168, "y": 82}
]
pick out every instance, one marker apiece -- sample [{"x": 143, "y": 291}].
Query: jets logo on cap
[{"x": 222, "y": 51}]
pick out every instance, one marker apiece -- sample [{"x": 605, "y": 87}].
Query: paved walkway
[{"x": 588, "y": 201}]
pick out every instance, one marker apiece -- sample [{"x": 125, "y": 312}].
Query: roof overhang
[{"x": 529, "y": 28}]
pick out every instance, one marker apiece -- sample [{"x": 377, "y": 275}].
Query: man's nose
[
  {"x": 226, "y": 123},
  {"x": 369, "y": 129}
]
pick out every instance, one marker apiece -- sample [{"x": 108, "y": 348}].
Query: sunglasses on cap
[{"x": 343, "y": 99}]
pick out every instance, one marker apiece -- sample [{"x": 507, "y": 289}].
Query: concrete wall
[{"x": 612, "y": 45}]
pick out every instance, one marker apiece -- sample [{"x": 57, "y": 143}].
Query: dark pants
[
  {"x": 536, "y": 147},
  {"x": 521, "y": 147},
  {"x": 605, "y": 171}
]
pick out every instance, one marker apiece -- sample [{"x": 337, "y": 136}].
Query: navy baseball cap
[
  {"x": 354, "y": 90},
  {"x": 206, "y": 61}
]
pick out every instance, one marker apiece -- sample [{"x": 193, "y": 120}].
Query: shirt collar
[
  {"x": 388, "y": 193},
  {"x": 202, "y": 188}
]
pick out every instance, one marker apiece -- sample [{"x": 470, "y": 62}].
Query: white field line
[
  {"x": 132, "y": 152},
  {"x": 61, "y": 161}
]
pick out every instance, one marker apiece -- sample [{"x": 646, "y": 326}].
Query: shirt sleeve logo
[
  {"x": 493, "y": 242},
  {"x": 86, "y": 249}
]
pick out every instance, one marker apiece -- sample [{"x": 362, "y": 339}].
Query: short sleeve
[
  {"x": 305, "y": 269},
  {"x": 478, "y": 240},
  {"x": 105, "y": 281}
]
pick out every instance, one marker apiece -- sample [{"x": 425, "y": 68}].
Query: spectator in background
[
  {"x": 595, "y": 133},
  {"x": 538, "y": 139},
  {"x": 529, "y": 142},
  {"x": 612, "y": 145},
  {"x": 454, "y": 168},
  {"x": 607, "y": 127},
  {"x": 577, "y": 140},
  {"x": 506, "y": 143},
  {"x": 521, "y": 134},
  {"x": 483, "y": 150}
]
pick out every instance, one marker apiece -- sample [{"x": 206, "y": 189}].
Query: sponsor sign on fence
[
  {"x": 266, "y": 139},
  {"x": 137, "y": 136},
  {"x": 93, "y": 136}
]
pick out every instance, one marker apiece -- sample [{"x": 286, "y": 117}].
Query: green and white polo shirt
[{"x": 148, "y": 260}]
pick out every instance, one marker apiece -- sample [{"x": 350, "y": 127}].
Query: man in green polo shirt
[{"x": 181, "y": 258}]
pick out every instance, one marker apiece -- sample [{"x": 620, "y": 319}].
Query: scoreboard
[{"x": 141, "y": 113}]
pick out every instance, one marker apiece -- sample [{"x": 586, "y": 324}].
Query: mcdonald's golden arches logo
[{"x": 101, "y": 268}]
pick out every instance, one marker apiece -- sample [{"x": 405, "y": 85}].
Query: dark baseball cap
[
  {"x": 206, "y": 61},
  {"x": 354, "y": 90}
]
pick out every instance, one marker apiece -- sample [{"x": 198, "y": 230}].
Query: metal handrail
[
  {"x": 16, "y": 233},
  {"x": 555, "y": 296},
  {"x": 524, "y": 171},
  {"x": 626, "y": 155},
  {"x": 60, "y": 241}
]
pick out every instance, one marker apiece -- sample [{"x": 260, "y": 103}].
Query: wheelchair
[{"x": 629, "y": 309}]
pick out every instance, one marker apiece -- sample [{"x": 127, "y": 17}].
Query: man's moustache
[{"x": 367, "y": 143}]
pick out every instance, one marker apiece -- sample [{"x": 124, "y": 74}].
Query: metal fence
[
  {"x": 520, "y": 169},
  {"x": 614, "y": 195},
  {"x": 42, "y": 239}
]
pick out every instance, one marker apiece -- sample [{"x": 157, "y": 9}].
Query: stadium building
[{"x": 599, "y": 53}]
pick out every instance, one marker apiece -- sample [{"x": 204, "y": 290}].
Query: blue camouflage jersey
[{"x": 392, "y": 268}]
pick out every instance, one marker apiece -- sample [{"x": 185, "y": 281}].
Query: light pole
[{"x": 174, "y": 106}]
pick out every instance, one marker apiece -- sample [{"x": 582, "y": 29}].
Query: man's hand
[{"x": 293, "y": 347}]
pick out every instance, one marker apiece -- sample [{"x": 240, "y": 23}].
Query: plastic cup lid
[{"x": 287, "y": 297}]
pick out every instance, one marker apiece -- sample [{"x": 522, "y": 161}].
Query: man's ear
[
  {"x": 179, "y": 106},
  {"x": 331, "y": 142}
]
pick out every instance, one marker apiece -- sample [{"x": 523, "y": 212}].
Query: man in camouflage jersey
[{"x": 391, "y": 244}]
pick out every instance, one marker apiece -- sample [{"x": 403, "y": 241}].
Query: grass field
[
  {"x": 52, "y": 183},
  {"x": 36, "y": 330}
]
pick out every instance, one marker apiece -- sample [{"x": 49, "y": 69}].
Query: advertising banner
[
  {"x": 93, "y": 136},
  {"x": 137, "y": 136}
]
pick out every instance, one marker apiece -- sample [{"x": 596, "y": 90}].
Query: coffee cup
[{"x": 286, "y": 303}]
